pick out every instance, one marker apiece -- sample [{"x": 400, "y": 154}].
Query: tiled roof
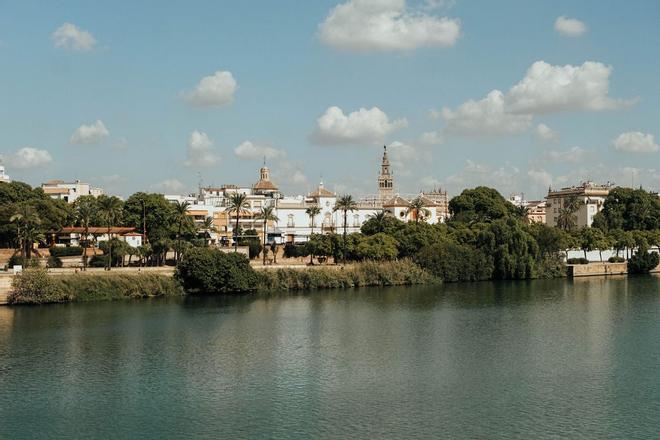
[
  {"x": 397, "y": 201},
  {"x": 265, "y": 184}
]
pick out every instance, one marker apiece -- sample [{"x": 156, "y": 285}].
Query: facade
[
  {"x": 72, "y": 235},
  {"x": 535, "y": 208},
  {"x": 294, "y": 224},
  {"x": 4, "y": 178},
  {"x": 69, "y": 191},
  {"x": 591, "y": 197}
]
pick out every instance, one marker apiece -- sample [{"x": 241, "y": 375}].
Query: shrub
[
  {"x": 550, "y": 267},
  {"x": 615, "y": 259},
  {"x": 206, "y": 270},
  {"x": 54, "y": 261},
  {"x": 379, "y": 246},
  {"x": 451, "y": 261},
  {"x": 643, "y": 261},
  {"x": 71, "y": 251},
  {"x": 580, "y": 260},
  {"x": 35, "y": 286},
  {"x": 98, "y": 261},
  {"x": 16, "y": 260},
  {"x": 293, "y": 250}
]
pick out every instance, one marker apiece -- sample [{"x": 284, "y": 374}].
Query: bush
[
  {"x": 550, "y": 267},
  {"x": 35, "y": 286},
  {"x": 71, "y": 251},
  {"x": 16, "y": 260},
  {"x": 379, "y": 246},
  {"x": 54, "y": 261},
  {"x": 294, "y": 250},
  {"x": 368, "y": 273},
  {"x": 580, "y": 260},
  {"x": 206, "y": 270},
  {"x": 451, "y": 261},
  {"x": 98, "y": 261},
  {"x": 643, "y": 261},
  {"x": 616, "y": 259}
]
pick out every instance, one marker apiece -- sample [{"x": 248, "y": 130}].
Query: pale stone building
[
  {"x": 591, "y": 197},
  {"x": 4, "y": 178},
  {"x": 69, "y": 191}
]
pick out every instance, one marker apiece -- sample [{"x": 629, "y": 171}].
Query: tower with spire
[{"x": 385, "y": 179}]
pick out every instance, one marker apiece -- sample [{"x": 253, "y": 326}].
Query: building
[
  {"x": 4, "y": 178},
  {"x": 535, "y": 208},
  {"x": 73, "y": 235},
  {"x": 69, "y": 191},
  {"x": 590, "y": 196},
  {"x": 294, "y": 224}
]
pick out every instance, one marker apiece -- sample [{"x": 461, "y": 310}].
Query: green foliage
[
  {"x": 251, "y": 239},
  {"x": 294, "y": 250},
  {"x": 451, "y": 261},
  {"x": 368, "y": 273},
  {"x": 54, "y": 261},
  {"x": 580, "y": 260},
  {"x": 17, "y": 260},
  {"x": 381, "y": 222},
  {"x": 158, "y": 214},
  {"x": 643, "y": 261},
  {"x": 629, "y": 209},
  {"x": 70, "y": 251},
  {"x": 98, "y": 261},
  {"x": 592, "y": 239},
  {"x": 379, "y": 246},
  {"x": 206, "y": 270},
  {"x": 513, "y": 250},
  {"x": 479, "y": 204},
  {"x": 35, "y": 286},
  {"x": 616, "y": 259},
  {"x": 412, "y": 236}
]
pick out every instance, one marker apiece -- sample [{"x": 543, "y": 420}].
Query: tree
[
  {"x": 417, "y": 209},
  {"x": 150, "y": 214},
  {"x": 211, "y": 271},
  {"x": 312, "y": 212},
  {"x": 481, "y": 204},
  {"x": 267, "y": 214},
  {"x": 621, "y": 240},
  {"x": 85, "y": 212},
  {"x": 451, "y": 261},
  {"x": 566, "y": 217},
  {"x": 377, "y": 247},
  {"x": 237, "y": 203},
  {"x": 592, "y": 239},
  {"x": 629, "y": 209},
  {"x": 206, "y": 228},
  {"x": 382, "y": 221},
  {"x": 180, "y": 217},
  {"x": 344, "y": 204},
  {"x": 110, "y": 209},
  {"x": 27, "y": 223}
]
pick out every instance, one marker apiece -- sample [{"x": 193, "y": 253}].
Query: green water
[{"x": 543, "y": 359}]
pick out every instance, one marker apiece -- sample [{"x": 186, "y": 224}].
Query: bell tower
[{"x": 385, "y": 179}]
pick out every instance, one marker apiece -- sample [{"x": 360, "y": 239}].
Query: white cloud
[
  {"x": 212, "y": 91},
  {"x": 359, "y": 127},
  {"x": 70, "y": 36},
  {"x": 574, "y": 155},
  {"x": 249, "y": 151},
  {"x": 200, "y": 151},
  {"x": 544, "y": 89},
  {"x": 385, "y": 25},
  {"x": 635, "y": 142},
  {"x": 540, "y": 178},
  {"x": 546, "y": 134},
  {"x": 431, "y": 138},
  {"x": 29, "y": 157},
  {"x": 570, "y": 27},
  {"x": 548, "y": 89},
  {"x": 484, "y": 118},
  {"x": 89, "y": 134},
  {"x": 169, "y": 186}
]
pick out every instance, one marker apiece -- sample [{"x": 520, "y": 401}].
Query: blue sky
[{"x": 296, "y": 75}]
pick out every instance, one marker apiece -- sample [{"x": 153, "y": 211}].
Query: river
[{"x": 538, "y": 359}]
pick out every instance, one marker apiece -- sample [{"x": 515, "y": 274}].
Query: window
[
  {"x": 289, "y": 221},
  {"x": 327, "y": 220},
  {"x": 356, "y": 220}
]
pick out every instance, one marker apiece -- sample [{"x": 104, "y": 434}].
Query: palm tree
[
  {"x": 312, "y": 212},
  {"x": 27, "y": 221},
  {"x": 207, "y": 227},
  {"x": 380, "y": 219},
  {"x": 180, "y": 216},
  {"x": 566, "y": 219},
  {"x": 417, "y": 208},
  {"x": 84, "y": 212},
  {"x": 110, "y": 210},
  {"x": 266, "y": 214},
  {"x": 344, "y": 204},
  {"x": 237, "y": 203}
]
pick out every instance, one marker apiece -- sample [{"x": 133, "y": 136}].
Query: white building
[
  {"x": 69, "y": 191},
  {"x": 3, "y": 176},
  {"x": 294, "y": 224},
  {"x": 536, "y": 209},
  {"x": 591, "y": 198}
]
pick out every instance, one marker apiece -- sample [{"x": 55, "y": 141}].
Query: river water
[{"x": 539, "y": 359}]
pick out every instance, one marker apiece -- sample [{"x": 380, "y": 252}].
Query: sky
[{"x": 158, "y": 96}]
